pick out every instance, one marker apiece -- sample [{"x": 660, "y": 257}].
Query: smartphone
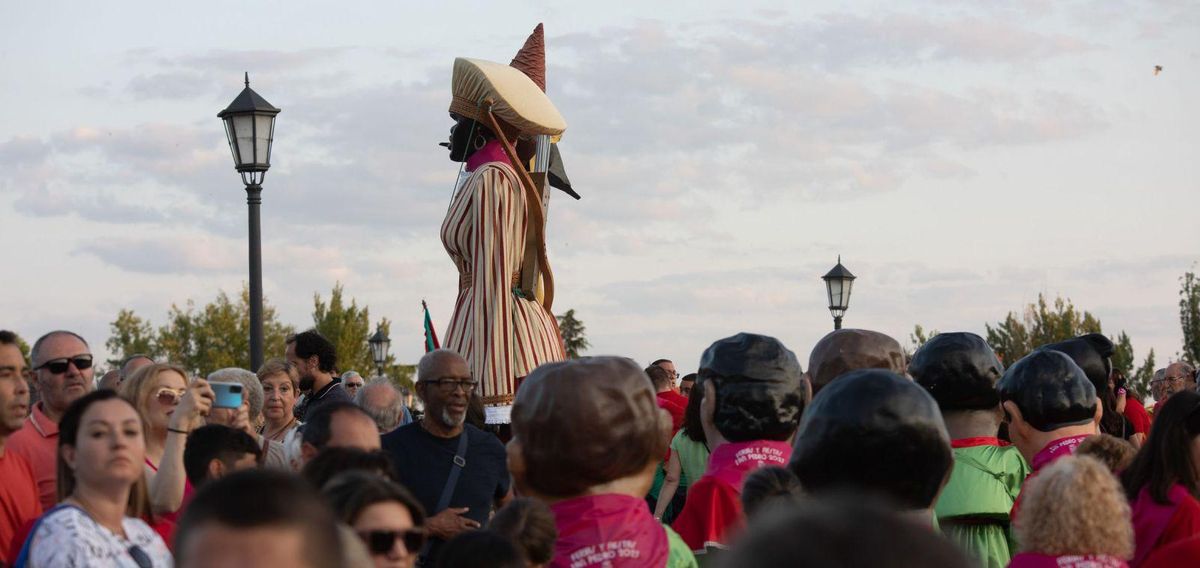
[{"x": 227, "y": 395}]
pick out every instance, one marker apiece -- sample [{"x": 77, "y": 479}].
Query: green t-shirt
[
  {"x": 693, "y": 458},
  {"x": 973, "y": 509},
  {"x": 678, "y": 553}
]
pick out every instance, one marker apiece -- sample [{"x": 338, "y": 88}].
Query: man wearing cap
[
  {"x": 960, "y": 371},
  {"x": 1050, "y": 407},
  {"x": 594, "y": 478},
  {"x": 874, "y": 432},
  {"x": 753, "y": 399},
  {"x": 847, "y": 350}
]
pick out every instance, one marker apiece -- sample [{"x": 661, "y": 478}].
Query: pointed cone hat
[{"x": 531, "y": 59}]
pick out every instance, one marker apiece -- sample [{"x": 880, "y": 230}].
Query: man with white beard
[{"x": 457, "y": 471}]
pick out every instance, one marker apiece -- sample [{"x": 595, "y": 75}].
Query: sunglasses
[
  {"x": 382, "y": 542},
  {"x": 169, "y": 396},
  {"x": 60, "y": 365}
]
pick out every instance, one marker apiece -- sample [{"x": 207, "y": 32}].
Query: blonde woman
[
  {"x": 1073, "y": 514},
  {"x": 171, "y": 406},
  {"x": 280, "y": 427}
]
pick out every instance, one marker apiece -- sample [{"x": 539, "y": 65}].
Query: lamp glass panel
[
  {"x": 243, "y": 126},
  {"x": 835, "y": 291},
  {"x": 377, "y": 351},
  {"x": 263, "y": 133},
  {"x": 230, "y": 138},
  {"x": 846, "y": 298}
]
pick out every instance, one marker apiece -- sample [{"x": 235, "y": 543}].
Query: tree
[
  {"x": 1189, "y": 316},
  {"x": 919, "y": 337},
  {"x": 130, "y": 335},
  {"x": 1041, "y": 323},
  {"x": 218, "y": 335},
  {"x": 573, "y": 334},
  {"x": 1140, "y": 380},
  {"x": 348, "y": 327}
]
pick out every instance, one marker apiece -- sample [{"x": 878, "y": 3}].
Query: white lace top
[{"x": 68, "y": 537}]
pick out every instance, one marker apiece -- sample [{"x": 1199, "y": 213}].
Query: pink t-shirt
[{"x": 37, "y": 442}]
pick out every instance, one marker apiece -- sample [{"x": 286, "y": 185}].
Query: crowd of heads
[{"x": 310, "y": 468}]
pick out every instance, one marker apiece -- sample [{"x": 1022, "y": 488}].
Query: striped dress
[{"x": 502, "y": 335}]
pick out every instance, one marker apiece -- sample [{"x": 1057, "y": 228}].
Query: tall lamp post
[
  {"x": 838, "y": 282},
  {"x": 379, "y": 348},
  {"x": 250, "y": 128}
]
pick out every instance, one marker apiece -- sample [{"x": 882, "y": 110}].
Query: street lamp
[
  {"x": 379, "y": 348},
  {"x": 838, "y": 282},
  {"x": 250, "y": 128}
]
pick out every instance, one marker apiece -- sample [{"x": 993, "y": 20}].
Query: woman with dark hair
[
  {"x": 529, "y": 523},
  {"x": 689, "y": 458},
  {"x": 384, "y": 514},
  {"x": 101, "y": 486},
  {"x": 1161, "y": 483}
]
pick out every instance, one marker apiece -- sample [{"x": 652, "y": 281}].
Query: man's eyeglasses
[
  {"x": 1166, "y": 380},
  {"x": 449, "y": 385},
  {"x": 382, "y": 542},
  {"x": 60, "y": 365},
  {"x": 169, "y": 396}
]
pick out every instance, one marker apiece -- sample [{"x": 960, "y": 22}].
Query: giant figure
[{"x": 494, "y": 228}]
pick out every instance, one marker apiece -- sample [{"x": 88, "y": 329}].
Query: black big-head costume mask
[
  {"x": 875, "y": 431},
  {"x": 758, "y": 391},
  {"x": 1050, "y": 390},
  {"x": 1092, "y": 352},
  {"x": 959, "y": 370}
]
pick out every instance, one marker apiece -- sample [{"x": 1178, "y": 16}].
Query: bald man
[{"x": 848, "y": 350}]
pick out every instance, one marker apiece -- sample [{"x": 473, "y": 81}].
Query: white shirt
[{"x": 68, "y": 537}]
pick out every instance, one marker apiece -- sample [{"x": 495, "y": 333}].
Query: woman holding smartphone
[
  {"x": 171, "y": 406},
  {"x": 101, "y": 446}
]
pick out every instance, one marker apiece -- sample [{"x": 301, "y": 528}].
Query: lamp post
[
  {"x": 379, "y": 348},
  {"x": 250, "y": 128},
  {"x": 838, "y": 282}
]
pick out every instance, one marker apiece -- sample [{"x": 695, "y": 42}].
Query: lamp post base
[{"x": 837, "y": 323}]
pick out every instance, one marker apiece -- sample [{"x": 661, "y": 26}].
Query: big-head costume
[
  {"x": 758, "y": 402},
  {"x": 1054, "y": 396},
  {"x": 873, "y": 431},
  {"x": 495, "y": 227},
  {"x": 580, "y": 427},
  {"x": 960, "y": 371}
]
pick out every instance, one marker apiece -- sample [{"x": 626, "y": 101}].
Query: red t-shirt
[
  {"x": 1156, "y": 525},
  {"x": 1137, "y": 415},
  {"x": 37, "y": 442},
  {"x": 1181, "y": 553},
  {"x": 713, "y": 510},
  {"x": 675, "y": 404},
  {"x": 19, "y": 504}
]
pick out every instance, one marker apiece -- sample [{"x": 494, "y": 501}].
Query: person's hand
[
  {"x": 446, "y": 524},
  {"x": 238, "y": 418},
  {"x": 195, "y": 405}
]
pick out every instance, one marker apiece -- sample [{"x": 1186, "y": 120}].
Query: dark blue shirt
[{"x": 423, "y": 463}]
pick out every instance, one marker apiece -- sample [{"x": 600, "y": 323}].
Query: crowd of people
[{"x": 869, "y": 458}]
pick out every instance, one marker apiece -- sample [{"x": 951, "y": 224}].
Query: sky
[{"x": 960, "y": 157}]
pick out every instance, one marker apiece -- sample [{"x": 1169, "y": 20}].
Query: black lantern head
[
  {"x": 250, "y": 128},
  {"x": 838, "y": 282},
  {"x": 379, "y": 347}
]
